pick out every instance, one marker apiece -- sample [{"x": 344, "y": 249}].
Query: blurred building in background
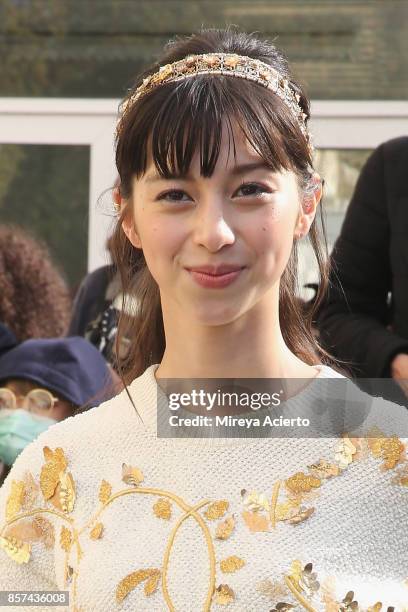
[{"x": 52, "y": 52}]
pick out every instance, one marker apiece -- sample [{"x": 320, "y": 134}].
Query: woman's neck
[{"x": 236, "y": 350}]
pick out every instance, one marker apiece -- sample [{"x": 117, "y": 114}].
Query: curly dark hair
[{"x": 34, "y": 298}]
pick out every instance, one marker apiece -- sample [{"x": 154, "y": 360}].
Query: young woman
[{"x": 217, "y": 185}]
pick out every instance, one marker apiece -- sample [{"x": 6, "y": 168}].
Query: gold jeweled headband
[{"x": 229, "y": 64}]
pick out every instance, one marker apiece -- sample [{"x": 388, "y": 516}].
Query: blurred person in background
[
  {"x": 97, "y": 306},
  {"x": 43, "y": 382},
  {"x": 363, "y": 320},
  {"x": 34, "y": 297}
]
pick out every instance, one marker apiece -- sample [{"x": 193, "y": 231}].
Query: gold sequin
[
  {"x": 308, "y": 580},
  {"x": 224, "y": 595},
  {"x": 131, "y": 475},
  {"x": 256, "y": 521},
  {"x": 348, "y": 604},
  {"x": 391, "y": 451},
  {"x": 96, "y": 532},
  {"x": 67, "y": 492},
  {"x": 300, "y": 482},
  {"x": 15, "y": 499},
  {"x": 46, "y": 529},
  {"x": 162, "y": 509},
  {"x": 270, "y": 589},
  {"x": 297, "y": 516},
  {"x": 225, "y": 528},
  {"x": 255, "y": 501},
  {"x": 66, "y": 539},
  {"x": 105, "y": 491},
  {"x": 50, "y": 472},
  {"x": 131, "y": 581},
  {"x": 345, "y": 452},
  {"x": 401, "y": 476},
  {"x": 324, "y": 469},
  {"x": 31, "y": 490},
  {"x": 216, "y": 510},
  {"x": 231, "y": 564},
  {"x": 19, "y": 551}
]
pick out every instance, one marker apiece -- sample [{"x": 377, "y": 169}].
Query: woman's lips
[{"x": 222, "y": 278}]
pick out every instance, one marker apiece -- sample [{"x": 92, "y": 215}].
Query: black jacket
[{"x": 364, "y": 318}]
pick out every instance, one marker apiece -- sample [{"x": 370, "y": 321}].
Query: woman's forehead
[{"x": 235, "y": 151}]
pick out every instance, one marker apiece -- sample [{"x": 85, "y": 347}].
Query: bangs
[{"x": 178, "y": 120}]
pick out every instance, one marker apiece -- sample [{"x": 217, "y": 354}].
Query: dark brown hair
[
  {"x": 34, "y": 298},
  {"x": 172, "y": 122}
]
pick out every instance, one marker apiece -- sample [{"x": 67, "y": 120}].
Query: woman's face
[{"x": 217, "y": 246}]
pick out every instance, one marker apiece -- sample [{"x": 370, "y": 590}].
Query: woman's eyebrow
[{"x": 235, "y": 171}]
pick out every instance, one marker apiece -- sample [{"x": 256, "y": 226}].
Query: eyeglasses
[{"x": 38, "y": 401}]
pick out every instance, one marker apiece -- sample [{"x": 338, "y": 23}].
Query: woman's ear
[
  {"x": 129, "y": 227},
  {"x": 309, "y": 206}
]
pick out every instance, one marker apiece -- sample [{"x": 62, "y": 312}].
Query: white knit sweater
[{"x": 206, "y": 524}]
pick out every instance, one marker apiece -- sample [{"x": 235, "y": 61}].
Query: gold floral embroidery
[
  {"x": 305, "y": 590},
  {"x": 130, "y": 582},
  {"x": 231, "y": 564},
  {"x": 162, "y": 509},
  {"x": 58, "y": 487}
]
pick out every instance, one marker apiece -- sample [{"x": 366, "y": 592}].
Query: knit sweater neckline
[{"x": 151, "y": 404}]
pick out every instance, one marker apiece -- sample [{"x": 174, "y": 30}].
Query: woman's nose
[{"x": 212, "y": 230}]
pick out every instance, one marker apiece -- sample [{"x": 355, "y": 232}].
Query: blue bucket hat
[
  {"x": 7, "y": 339},
  {"x": 71, "y": 367}
]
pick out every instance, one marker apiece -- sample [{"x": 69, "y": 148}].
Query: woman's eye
[
  {"x": 252, "y": 189},
  {"x": 174, "y": 195}
]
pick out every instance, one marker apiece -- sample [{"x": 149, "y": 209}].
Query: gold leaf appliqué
[
  {"x": 15, "y": 499},
  {"x": 105, "y": 491},
  {"x": 66, "y": 539},
  {"x": 162, "y": 509},
  {"x": 301, "y": 482},
  {"x": 256, "y": 521},
  {"x": 67, "y": 492},
  {"x": 231, "y": 564},
  {"x": 216, "y": 510},
  {"x": 131, "y": 475},
  {"x": 50, "y": 472},
  {"x": 225, "y": 528},
  {"x": 96, "y": 532},
  {"x": 131, "y": 581},
  {"x": 19, "y": 551},
  {"x": 224, "y": 595}
]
